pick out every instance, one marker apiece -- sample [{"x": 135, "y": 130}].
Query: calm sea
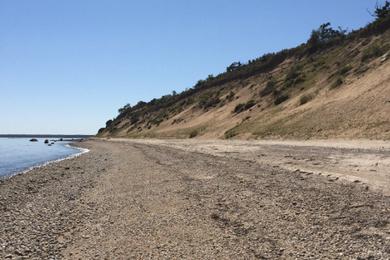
[{"x": 19, "y": 154}]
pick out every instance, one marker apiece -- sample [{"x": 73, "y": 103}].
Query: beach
[{"x": 137, "y": 199}]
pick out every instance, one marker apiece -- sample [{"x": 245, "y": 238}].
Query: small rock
[{"x": 18, "y": 252}]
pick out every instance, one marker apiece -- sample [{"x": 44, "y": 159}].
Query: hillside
[{"x": 336, "y": 85}]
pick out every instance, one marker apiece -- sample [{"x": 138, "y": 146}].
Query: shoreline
[
  {"x": 38, "y": 207},
  {"x": 131, "y": 200},
  {"x": 43, "y": 164}
]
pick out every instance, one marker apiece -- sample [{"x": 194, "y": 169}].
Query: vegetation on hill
[{"x": 262, "y": 86}]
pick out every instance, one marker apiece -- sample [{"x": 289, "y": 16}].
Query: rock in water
[
  {"x": 33, "y": 140},
  {"x": 46, "y": 141}
]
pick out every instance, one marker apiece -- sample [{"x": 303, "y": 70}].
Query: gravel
[{"x": 126, "y": 200}]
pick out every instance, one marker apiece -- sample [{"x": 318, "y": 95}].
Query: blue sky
[{"x": 67, "y": 66}]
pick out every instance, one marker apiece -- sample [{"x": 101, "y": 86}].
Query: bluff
[{"x": 335, "y": 85}]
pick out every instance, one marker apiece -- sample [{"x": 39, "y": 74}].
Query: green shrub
[
  {"x": 372, "y": 52},
  {"x": 244, "y": 106},
  {"x": 293, "y": 73},
  {"x": 293, "y": 77},
  {"x": 206, "y": 101},
  {"x": 344, "y": 70},
  {"x": 156, "y": 121},
  {"x": 159, "y": 118},
  {"x": 382, "y": 11},
  {"x": 194, "y": 133},
  {"x": 239, "y": 108},
  {"x": 269, "y": 88},
  {"x": 109, "y": 123},
  {"x": 337, "y": 83},
  {"x": 246, "y": 118},
  {"x": 230, "y": 96},
  {"x": 230, "y": 134},
  {"x": 305, "y": 98},
  {"x": 177, "y": 121},
  {"x": 280, "y": 99},
  {"x": 361, "y": 69},
  {"x": 134, "y": 118}
]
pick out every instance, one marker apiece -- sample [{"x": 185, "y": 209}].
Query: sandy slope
[
  {"x": 360, "y": 108},
  {"x": 131, "y": 200}
]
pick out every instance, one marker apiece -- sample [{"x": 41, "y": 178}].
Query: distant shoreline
[{"x": 42, "y": 136}]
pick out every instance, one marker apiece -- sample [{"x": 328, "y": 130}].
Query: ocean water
[{"x": 19, "y": 154}]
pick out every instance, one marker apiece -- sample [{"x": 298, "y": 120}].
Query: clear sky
[{"x": 67, "y": 66}]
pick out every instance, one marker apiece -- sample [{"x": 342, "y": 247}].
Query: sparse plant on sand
[
  {"x": 269, "y": 88},
  {"x": 305, "y": 98},
  {"x": 372, "y": 52},
  {"x": 244, "y": 106},
  {"x": 337, "y": 83},
  {"x": 280, "y": 99},
  {"x": 194, "y": 133}
]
